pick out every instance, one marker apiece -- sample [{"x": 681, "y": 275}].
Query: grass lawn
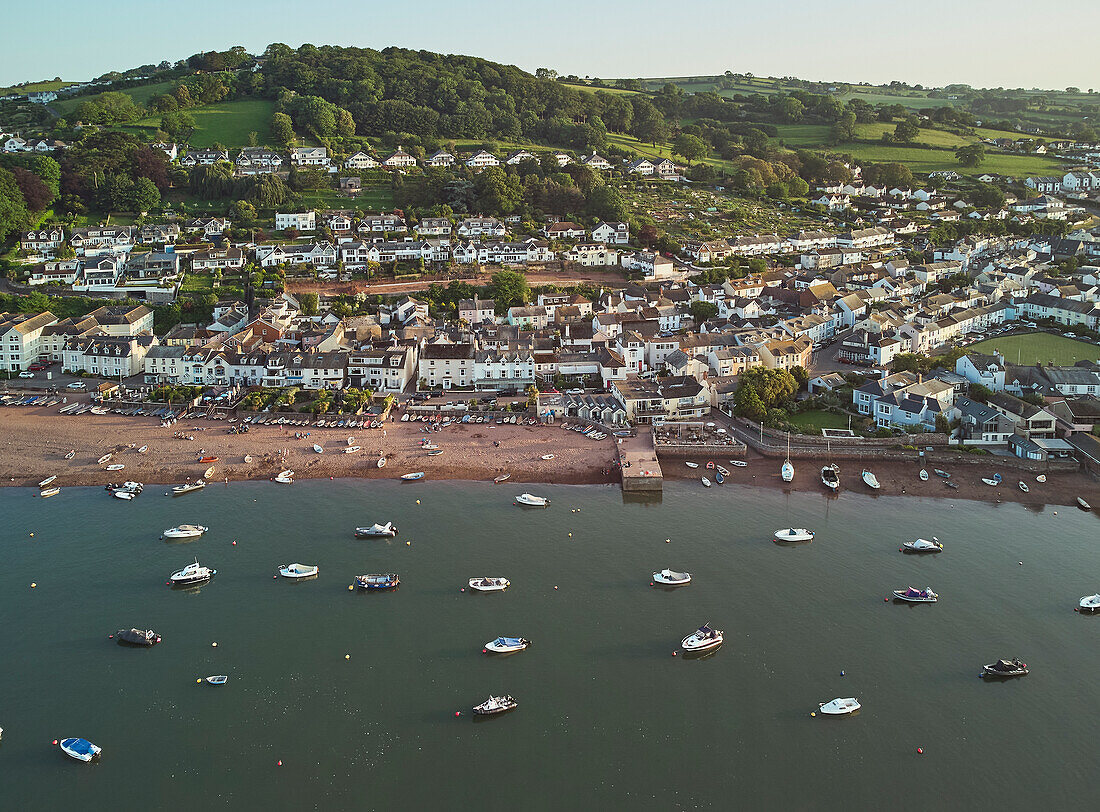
[
  {"x": 815, "y": 419},
  {"x": 373, "y": 198},
  {"x": 141, "y": 95},
  {"x": 227, "y": 123},
  {"x": 803, "y": 135},
  {"x": 1033, "y": 348}
]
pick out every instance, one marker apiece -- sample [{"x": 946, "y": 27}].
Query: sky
[{"x": 984, "y": 43}]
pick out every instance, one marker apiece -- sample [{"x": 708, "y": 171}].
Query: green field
[
  {"x": 373, "y": 198},
  {"x": 815, "y": 419},
  {"x": 660, "y": 151},
  {"x": 227, "y": 123},
  {"x": 34, "y": 87},
  {"x": 141, "y": 95},
  {"x": 591, "y": 89},
  {"x": 1035, "y": 348}
]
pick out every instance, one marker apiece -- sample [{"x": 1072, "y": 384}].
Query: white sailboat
[{"x": 787, "y": 471}]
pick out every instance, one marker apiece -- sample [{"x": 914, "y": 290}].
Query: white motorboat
[
  {"x": 351, "y": 449},
  {"x": 667, "y": 577},
  {"x": 1090, "y": 603},
  {"x": 739, "y": 464},
  {"x": 923, "y": 546},
  {"x": 530, "y": 500},
  {"x": 80, "y": 749},
  {"x": 830, "y": 477},
  {"x": 839, "y": 707},
  {"x": 494, "y": 705},
  {"x": 48, "y": 492},
  {"x": 191, "y": 574},
  {"x": 376, "y": 529},
  {"x": 786, "y": 472},
  {"x": 197, "y": 485},
  {"x": 318, "y": 449},
  {"x": 705, "y": 481},
  {"x": 184, "y": 531},
  {"x": 217, "y": 679},
  {"x": 126, "y": 496},
  {"x": 692, "y": 464},
  {"x": 923, "y": 475},
  {"x": 794, "y": 534},
  {"x": 702, "y": 639},
  {"x": 992, "y": 481},
  {"x": 913, "y": 595},
  {"x": 283, "y": 479},
  {"x": 489, "y": 584},
  {"x": 1005, "y": 669},
  {"x": 871, "y": 480},
  {"x": 1023, "y": 486},
  {"x": 1081, "y": 503},
  {"x": 298, "y": 570},
  {"x": 507, "y": 645},
  {"x": 47, "y": 481}
]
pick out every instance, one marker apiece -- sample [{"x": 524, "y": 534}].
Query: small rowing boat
[
  {"x": 106, "y": 458},
  {"x": 547, "y": 457},
  {"x": 47, "y": 481},
  {"x": 1023, "y": 486},
  {"x": 412, "y": 477},
  {"x": 217, "y": 679},
  {"x": 923, "y": 475},
  {"x": 501, "y": 478},
  {"x": 115, "y": 466},
  {"x": 48, "y": 492},
  {"x": 71, "y": 454},
  {"x": 209, "y": 472},
  {"x": 143, "y": 449}
]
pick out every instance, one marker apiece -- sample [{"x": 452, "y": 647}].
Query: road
[{"x": 559, "y": 278}]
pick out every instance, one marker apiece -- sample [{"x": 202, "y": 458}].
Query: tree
[
  {"x": 242, "y": 212},
  {"x": 690, "y": 147},
  {"x": 607, "y": 203},
  {"x": 36, "y": 194},
  {"x": 282, "y": 129},
  {"x": 178, "y": 125},
  {"x": 970, "y": 155},
  {"x": 703, "y": 311},
  {"x": 510, "y": 289},
  {"x": 13, "y": 208},
  {"x": 309, "y": 302},
  {"x": 110, "y": 108},
  {"x": 907, "y": 130},
  {"x": 979, "y": 392},
  {"x": 345, "y": 124}
]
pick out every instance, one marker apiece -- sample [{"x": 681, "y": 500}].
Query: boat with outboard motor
[
  {"x": 144, "y": 638},
  {"x": 667, "y": 577},
  {"x": 923, "y": 546},
  {"x": 1005, "y": 669},
  {"x": 913, "y": 595},
  {"x": 507, "y": 645},
  {"x": 830, "y": 477},
  {"x": 992, "y": 481},
  {"x": 184, "y": 531},
  {"x": 295, "y": 571},
  {"x": 180, "y": 490},
  {"x": 839, "y": 706},
  {"x": 488, "y": 584},
  {"x": 794, "y": 534},
  {"x": 387, "y": 580},
  {"x": 80, "y": 749},
  {"x": 530, "y": 500},
  {"x": 1089, "y": 603},
  {"x": 702, "y": 639},
  {"x": 375, "y": 530},
  {"x": 217, "y": 679},
  {"x": 494, "y": 705}
]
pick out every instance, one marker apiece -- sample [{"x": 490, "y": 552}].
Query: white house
[
  {"x": 361, "y": 160},
  {"x": 300, "y": 221},
  {"x": 611, "y": 233},
  {"x": 441, "y": 159},
  {"x": 482, "y": 159},
  {"x": 312, "y": 158},
  {"x": 399, "y": 160},
  {"x": 595, "y": 161},
  {"x": 317, "y": 254},
  {"x": 592, "y": 255}
]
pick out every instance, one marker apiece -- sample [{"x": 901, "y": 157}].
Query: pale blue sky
[{"x": 988, "y": 43}]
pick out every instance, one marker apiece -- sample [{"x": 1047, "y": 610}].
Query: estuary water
[{"x": 356, "y": 693}]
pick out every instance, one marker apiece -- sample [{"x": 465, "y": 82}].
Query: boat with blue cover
[
  {"x": 80, "y": 749},
  {"x": 387, "y": 580},
  {"x": 507, "y": 645}
]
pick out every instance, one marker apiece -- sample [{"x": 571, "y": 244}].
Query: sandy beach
[{"x": 34, "y": 443}]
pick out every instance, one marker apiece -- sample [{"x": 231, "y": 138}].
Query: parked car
[
  {"x": 77, "y": 385},
  {"x": 26, "y": 374}
]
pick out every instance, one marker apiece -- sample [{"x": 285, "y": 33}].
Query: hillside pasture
[{"x": 227, "y": 123}]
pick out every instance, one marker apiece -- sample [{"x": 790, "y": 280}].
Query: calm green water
[{"x": 608, "y": 718}]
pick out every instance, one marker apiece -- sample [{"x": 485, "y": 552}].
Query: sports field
[{"x": 1035, "y": 348}]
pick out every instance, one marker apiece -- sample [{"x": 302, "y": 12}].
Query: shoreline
[{"x": 34, "y": 444}]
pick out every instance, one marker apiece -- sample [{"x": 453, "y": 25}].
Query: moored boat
[
  {"x": 184, "y": 531},
  {"x": 351, "y": 449},
  {"x": 1041, "y": 478},
  {"x": 1023, "y": 486},
  {"x": 702, "y": 639},
  {"x": 507, "y": 645},
  {"x": 941, "y": 473},
  {"x": 530, "y": 500},
  {"x": 722, "y": 471},
  {"x": 739, "y": 464},
  {"x": 412, "y": 477},
  {"x": 47, "y": 481},
  {"x": 208, "y": 459},
  {"x": 913, "y": 595},
  {"x": 1005, "y": 669},
  {"x": 719, "y": 477},
  {"x": 46, "y": 493},
  {"x": 692, "y": 464},
  {"x": 376, "y": 529},
  {"x": 192, "y": 574},
  {"x": 494, "y": 705},
  {"x": 705, "y": 481},
  {"x": 115, "y": 466},
  {"x": 1081, "y": 503},
  {"x": 923, "y": 546},
  {"x": 992, "y": 481},
  {"x": 106, "y": 458},
  {"x": 839, "y": 706},
  {"x": 80, "y": 749},
  {"x": 180, "y": 490},
  {"x": 923, "y": 475},
  {"x": 298, "y": 570},
  {"x": 501, "y": 478},
  {"x": 217, "y": 679},
  {"x": 209, "y": 472},
  {"x": 830, "y": 477},
  {"x": 146, "y": 638},
  {"x": 667, "y": 577},
  {"x": 381, "y": 462},
  {"x": 126, "y": 496},
  {"x": 283, "y": 479},
  {"x": 794, "y": 534},
  {"x": 143, "y": 449},
  {"x": 871, "y": 480},
  {"x": 1089, "y": 603},
  {"x": 489, "y": 584},
  {"x": 387, "y": 580}
]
